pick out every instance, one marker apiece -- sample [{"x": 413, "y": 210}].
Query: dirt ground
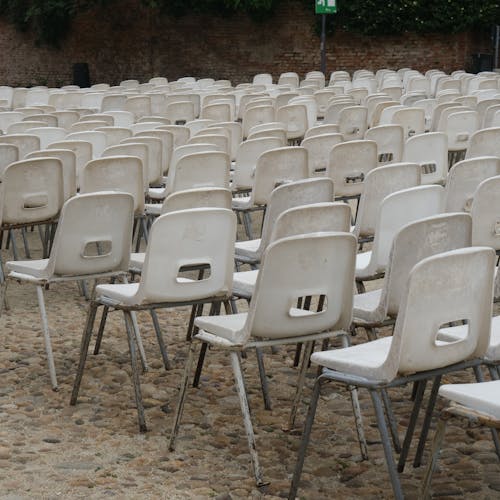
[{"x": 49, "y": 449}]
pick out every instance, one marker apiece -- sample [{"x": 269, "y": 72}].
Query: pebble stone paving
[{"x": 49, "y": 449}]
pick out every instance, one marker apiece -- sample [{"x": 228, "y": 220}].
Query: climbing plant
[{"x": 50, "y": 20}]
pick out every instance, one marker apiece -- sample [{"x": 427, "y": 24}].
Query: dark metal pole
[{"x": 323, "y": 43}]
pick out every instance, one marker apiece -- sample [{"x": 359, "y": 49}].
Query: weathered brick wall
[{"x": 137, "y": 43}]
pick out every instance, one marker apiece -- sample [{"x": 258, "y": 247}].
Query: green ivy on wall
[{"x": 50, "y": 20}]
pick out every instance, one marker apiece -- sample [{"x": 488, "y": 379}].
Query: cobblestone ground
[{"x": 49, "y": 449}]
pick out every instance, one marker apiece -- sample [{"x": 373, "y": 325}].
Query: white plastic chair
[
  {"x": 274, "y": 167},
  {"x": 390, "y": 142},
  {"x": 25, "y": 143},
  {"x": 464, "y": 178},
  {"x": 412, "y": 354},
  {"x": 484, "y": 142},
  {"x": 273, "y": 318},
  {"x": 431, "y": 152},
  {"x": 379, "y": 183},
  {"x": 284, "y": 197},
  {"x": 183, "y": 238},
  {"x": 92, "y": 241},
  {"x": 396, "y": 210},
  {"x": 318, "y": 152}
]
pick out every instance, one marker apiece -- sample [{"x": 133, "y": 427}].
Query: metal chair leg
[
  {"x": 25, "y": 243},
  {"x": 46, "y": 336},
  {"x": 12, "y": 240},
  {"x": 306, "y": 435},
  {"x": 100, "y": 332},
  {"x": 384, "y": 434},
  {"x": 138, "y": 339},
  {"x": 431, "y": 466},
  {"x": 427, "y": 421},
  {"x": 263, "y": 378},
  {"x": 87, "y": 334},
  {"x": 247, "y": 222},
  {"x": 161, "y": 343},
  {"x": 419, "y": 395},
  {"x": 494, "y": 433},
  {"x": 199, "y": 366},
  {"x": 240, "y": 388},
  {"x": 393, "y": 426},
  {"x": 308, "y": 347},
  {"x": 182, "y": 396},
  {"x": 131, "y": 337}
]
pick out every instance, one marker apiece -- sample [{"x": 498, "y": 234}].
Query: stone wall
[{"x": 138, "y": 43}]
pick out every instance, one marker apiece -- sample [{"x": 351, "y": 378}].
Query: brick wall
[{"x": 137, "y": 43}]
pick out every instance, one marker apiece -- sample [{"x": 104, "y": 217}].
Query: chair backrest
[
  {"x": 450, "y": 286},
  {"x": 275, "y": 167},
  {"x": 115, "y": 173},
  {"x": 97, "y": 139},
  {"x": 24, "y": 126},
  {"x": 180, "y": 134},
  {"x": 154, "y": 167},
  {"x": 318, "y": 152},
  {"x": 349, "y": 164},
  {"x": 319, "y": 265},
  {"x": 294, "y": 116},
  {"x": 167, "y": 141},
  {"x": 196, "y": 198},
  {"x": 255, "y": 116},
  {"x": 48, "y": 135},
  {"x": 68, "y": 160},
  {"x": 401, "y": 208},
  {"x": 353, "y": 122},
  {"x": 431, "y": 152},
  {"x": 329, "y": 128},
  {"x": 484, "y": 142},
  {"x": 485, "y": 214},
  {"x": 463, "y": 179},
  {"x": 199, "y": 236},
  {"x": 411, "y": 119},
  {"x": 114, "y": 135},
  {"x": 459, "y": 128},
  {"x": 8, "y": 154},
  {"x": 291, "y": 195},
  {"x": 32, "y": 190},
  {"x": 25, "y": 143},
  {"x": 390, "y": 142},
  {"x": 435, "y": 234},
  {"x": 82, "y": 151},
  {"x": 138, "y": 105},
  {"x": 136, "y": 149},
  {"x": 121, "y": 118},
  {"x": 197, "y": 170},
  {"x": 246, "y": 159},
  {"x": 379, "y": 183},
  {"x": 313, "y": 218},
  {"x": 94, "y": 235}
]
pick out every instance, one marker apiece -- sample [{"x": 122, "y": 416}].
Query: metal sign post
[{"x": 324, "y": 7}]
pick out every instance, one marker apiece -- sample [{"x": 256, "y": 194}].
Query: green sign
[{"x": 326, "y": 6}]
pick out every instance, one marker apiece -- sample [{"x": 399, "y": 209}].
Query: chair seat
[
  {"x": 248, "y": 248},
  {"x": 122, "y": 293},
  {"x": 153, "y": 208},
  {"x": 244, "y": 283},
  {"x": 363, "y": 360},
  {"x": 33, "y": 268},
  {"x": 482, "y": 396},
  {"x": 454, "y": 333},
  {"x": 242, "y": 202},
  {"x": 157, "y": 193},
  {"x": 227, "y": 326},
  {"x": 367, "y": 307}
]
